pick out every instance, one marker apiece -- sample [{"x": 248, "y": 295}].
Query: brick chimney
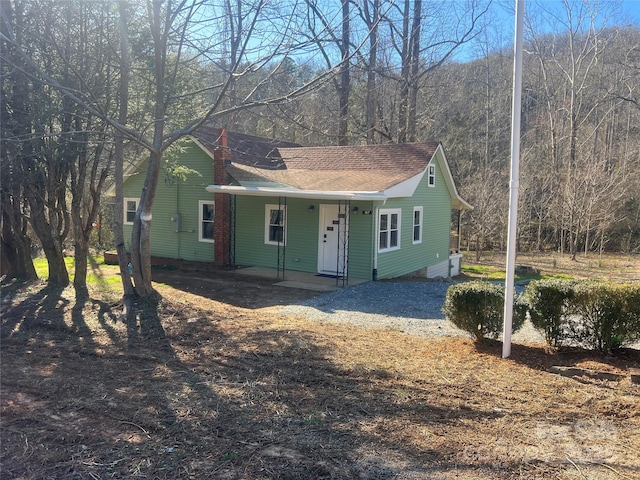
[{"x": 221, "y": 220}]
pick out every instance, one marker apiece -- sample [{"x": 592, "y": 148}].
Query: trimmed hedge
[
  {"x": 548, "y": 302},
  {"x": 477, "y": 307},
  {"x": 596, "y": 315},
  {"x": 609, "y": 315}
]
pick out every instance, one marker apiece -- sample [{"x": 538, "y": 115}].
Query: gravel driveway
[{"x": 411, "y": 307}]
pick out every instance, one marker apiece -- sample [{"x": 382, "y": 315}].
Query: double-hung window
[
  {"x": 206, "y": 216},
  {"x": 417, "y": 225},
  {"x": 275, "y": 224},
  {"x": 130, "y": 208},
  {"x": 432, "y": 175},
  {"x": 389, "y": 230}
]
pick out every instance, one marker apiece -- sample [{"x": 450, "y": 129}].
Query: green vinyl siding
[
  {"x": 301, "y": 249},
  {"x": 176, "y": 196},
  {"x": 301, "y": 234},
  {"x": 436, "y": 203},
  {"x": 360, "y": 243}
]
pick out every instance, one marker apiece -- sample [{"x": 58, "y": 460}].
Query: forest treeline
[{"x": 89, "y": 86}]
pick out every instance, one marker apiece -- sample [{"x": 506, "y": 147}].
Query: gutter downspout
[{"x": 374, "y": 237}]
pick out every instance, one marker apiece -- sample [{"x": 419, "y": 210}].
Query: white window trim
[
  {"x": 267, "y": 210},
  {"x": 389, "y": 211},
  {"x": 201, "y": 220},
  {"x": 420, "y": 224},
  {"x": 125, "y": 211},
  {"x": 431, "y": 175}
]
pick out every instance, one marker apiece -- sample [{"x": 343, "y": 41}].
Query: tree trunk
[
  {"x": 403, "y": 106},
  {"x": 81, "y": 252},
  {"x": 141, "y": 234},
  {"x": 123, "y": 105},
  {"x": 345, "y": 77},
  {"x": 16, "y": 251},
  {"x": 15, "y": 122},
  {"x": 574, "y": 242},
  {"x": 48, "y": 232},
  {"x": 412, "y": 117},
  {"x": 371, "y": 101},
  {"x": 539, "y": 234}
]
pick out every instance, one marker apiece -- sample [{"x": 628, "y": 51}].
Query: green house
[{"x": 365, "y": 212}]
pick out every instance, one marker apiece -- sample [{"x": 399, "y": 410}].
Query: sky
[{"x": 502, "y": 17}]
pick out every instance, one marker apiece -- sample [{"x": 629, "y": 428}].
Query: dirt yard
[{"x": 215, "y": 384}]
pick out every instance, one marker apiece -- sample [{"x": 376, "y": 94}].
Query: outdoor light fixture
[
  {"x": 311, "y": 208},
  {"x": 355, "y": 209}
]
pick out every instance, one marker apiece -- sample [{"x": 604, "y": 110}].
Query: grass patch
[
  {"x": 488, "y": 272},
  {"x": 619, "y": 267},
  {"x": 42, "y": 266},
  {"x": 100, "y": 277}
]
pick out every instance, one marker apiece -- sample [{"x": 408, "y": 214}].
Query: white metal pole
[{"x": 515, "y": 180}]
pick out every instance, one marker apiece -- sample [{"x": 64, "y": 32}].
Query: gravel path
[{"x": 411, "y": 307}]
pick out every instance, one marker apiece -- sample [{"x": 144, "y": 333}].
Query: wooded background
[{"x": 90, "y": 86}]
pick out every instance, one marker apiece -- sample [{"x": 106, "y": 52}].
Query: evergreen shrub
[
  {"x": 549, "y": 302},
  {"x": 607, "y": 315},
  {"x": 477, "y": 307}
]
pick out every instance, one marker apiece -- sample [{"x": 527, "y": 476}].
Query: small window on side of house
[
  {"x": 417, "y": 225},
  {"x": 130, "y": 208},
  {"x": 389, "y": 230},
  {"x": 275, "y": 223},
  {"x": 432, "y": 176},
  {"x": 206, "y": 220}
]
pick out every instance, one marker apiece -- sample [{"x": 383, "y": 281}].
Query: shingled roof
[
  {"x": 371, "y": 168},
  {"x": 267, "y": 167},
  {"x": 245, "y": 149}
]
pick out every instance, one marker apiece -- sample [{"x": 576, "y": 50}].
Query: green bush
[
  {"x": 548, "y": 302},
  {"x": 607, "y": 315},
  {"x": 477, "y": 307}
]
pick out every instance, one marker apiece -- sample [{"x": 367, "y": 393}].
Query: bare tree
[
  {"x": 180, "y": 40},
  {"x": 568, "y": 61},
  {"x": 14, "y": 121},
  {"x": 425, "y": 42}
]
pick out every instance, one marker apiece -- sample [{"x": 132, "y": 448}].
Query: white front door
[{"x": 332, "y": 242}]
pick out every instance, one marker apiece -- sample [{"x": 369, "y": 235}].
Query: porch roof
[{"x": 291, "y": 192}]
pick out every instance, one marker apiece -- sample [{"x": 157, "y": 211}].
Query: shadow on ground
[{"x": 226, "y": 286}]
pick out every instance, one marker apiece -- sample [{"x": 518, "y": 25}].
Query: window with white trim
[
  {"x": 432, "y": 176},
  {"x": 389, "y": 229},
  {"x": 130, "y": 208},
  {"x": 205, "y": 220},
  {"x": 417, "y": 225},
  {"x": 275, "y": 224}
]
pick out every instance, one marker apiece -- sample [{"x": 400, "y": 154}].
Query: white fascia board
[{"x": 294, "y": 193}]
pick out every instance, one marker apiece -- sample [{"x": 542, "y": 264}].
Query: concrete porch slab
[
  {"x": 316, "y": 287},
  {"x": 303, "y": 280}
]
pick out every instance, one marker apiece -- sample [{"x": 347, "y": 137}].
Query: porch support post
[
  {"x": 342, "y": 267},
  {"x": 232, "y": 230},
  {"x": 281, "y": 251}
]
